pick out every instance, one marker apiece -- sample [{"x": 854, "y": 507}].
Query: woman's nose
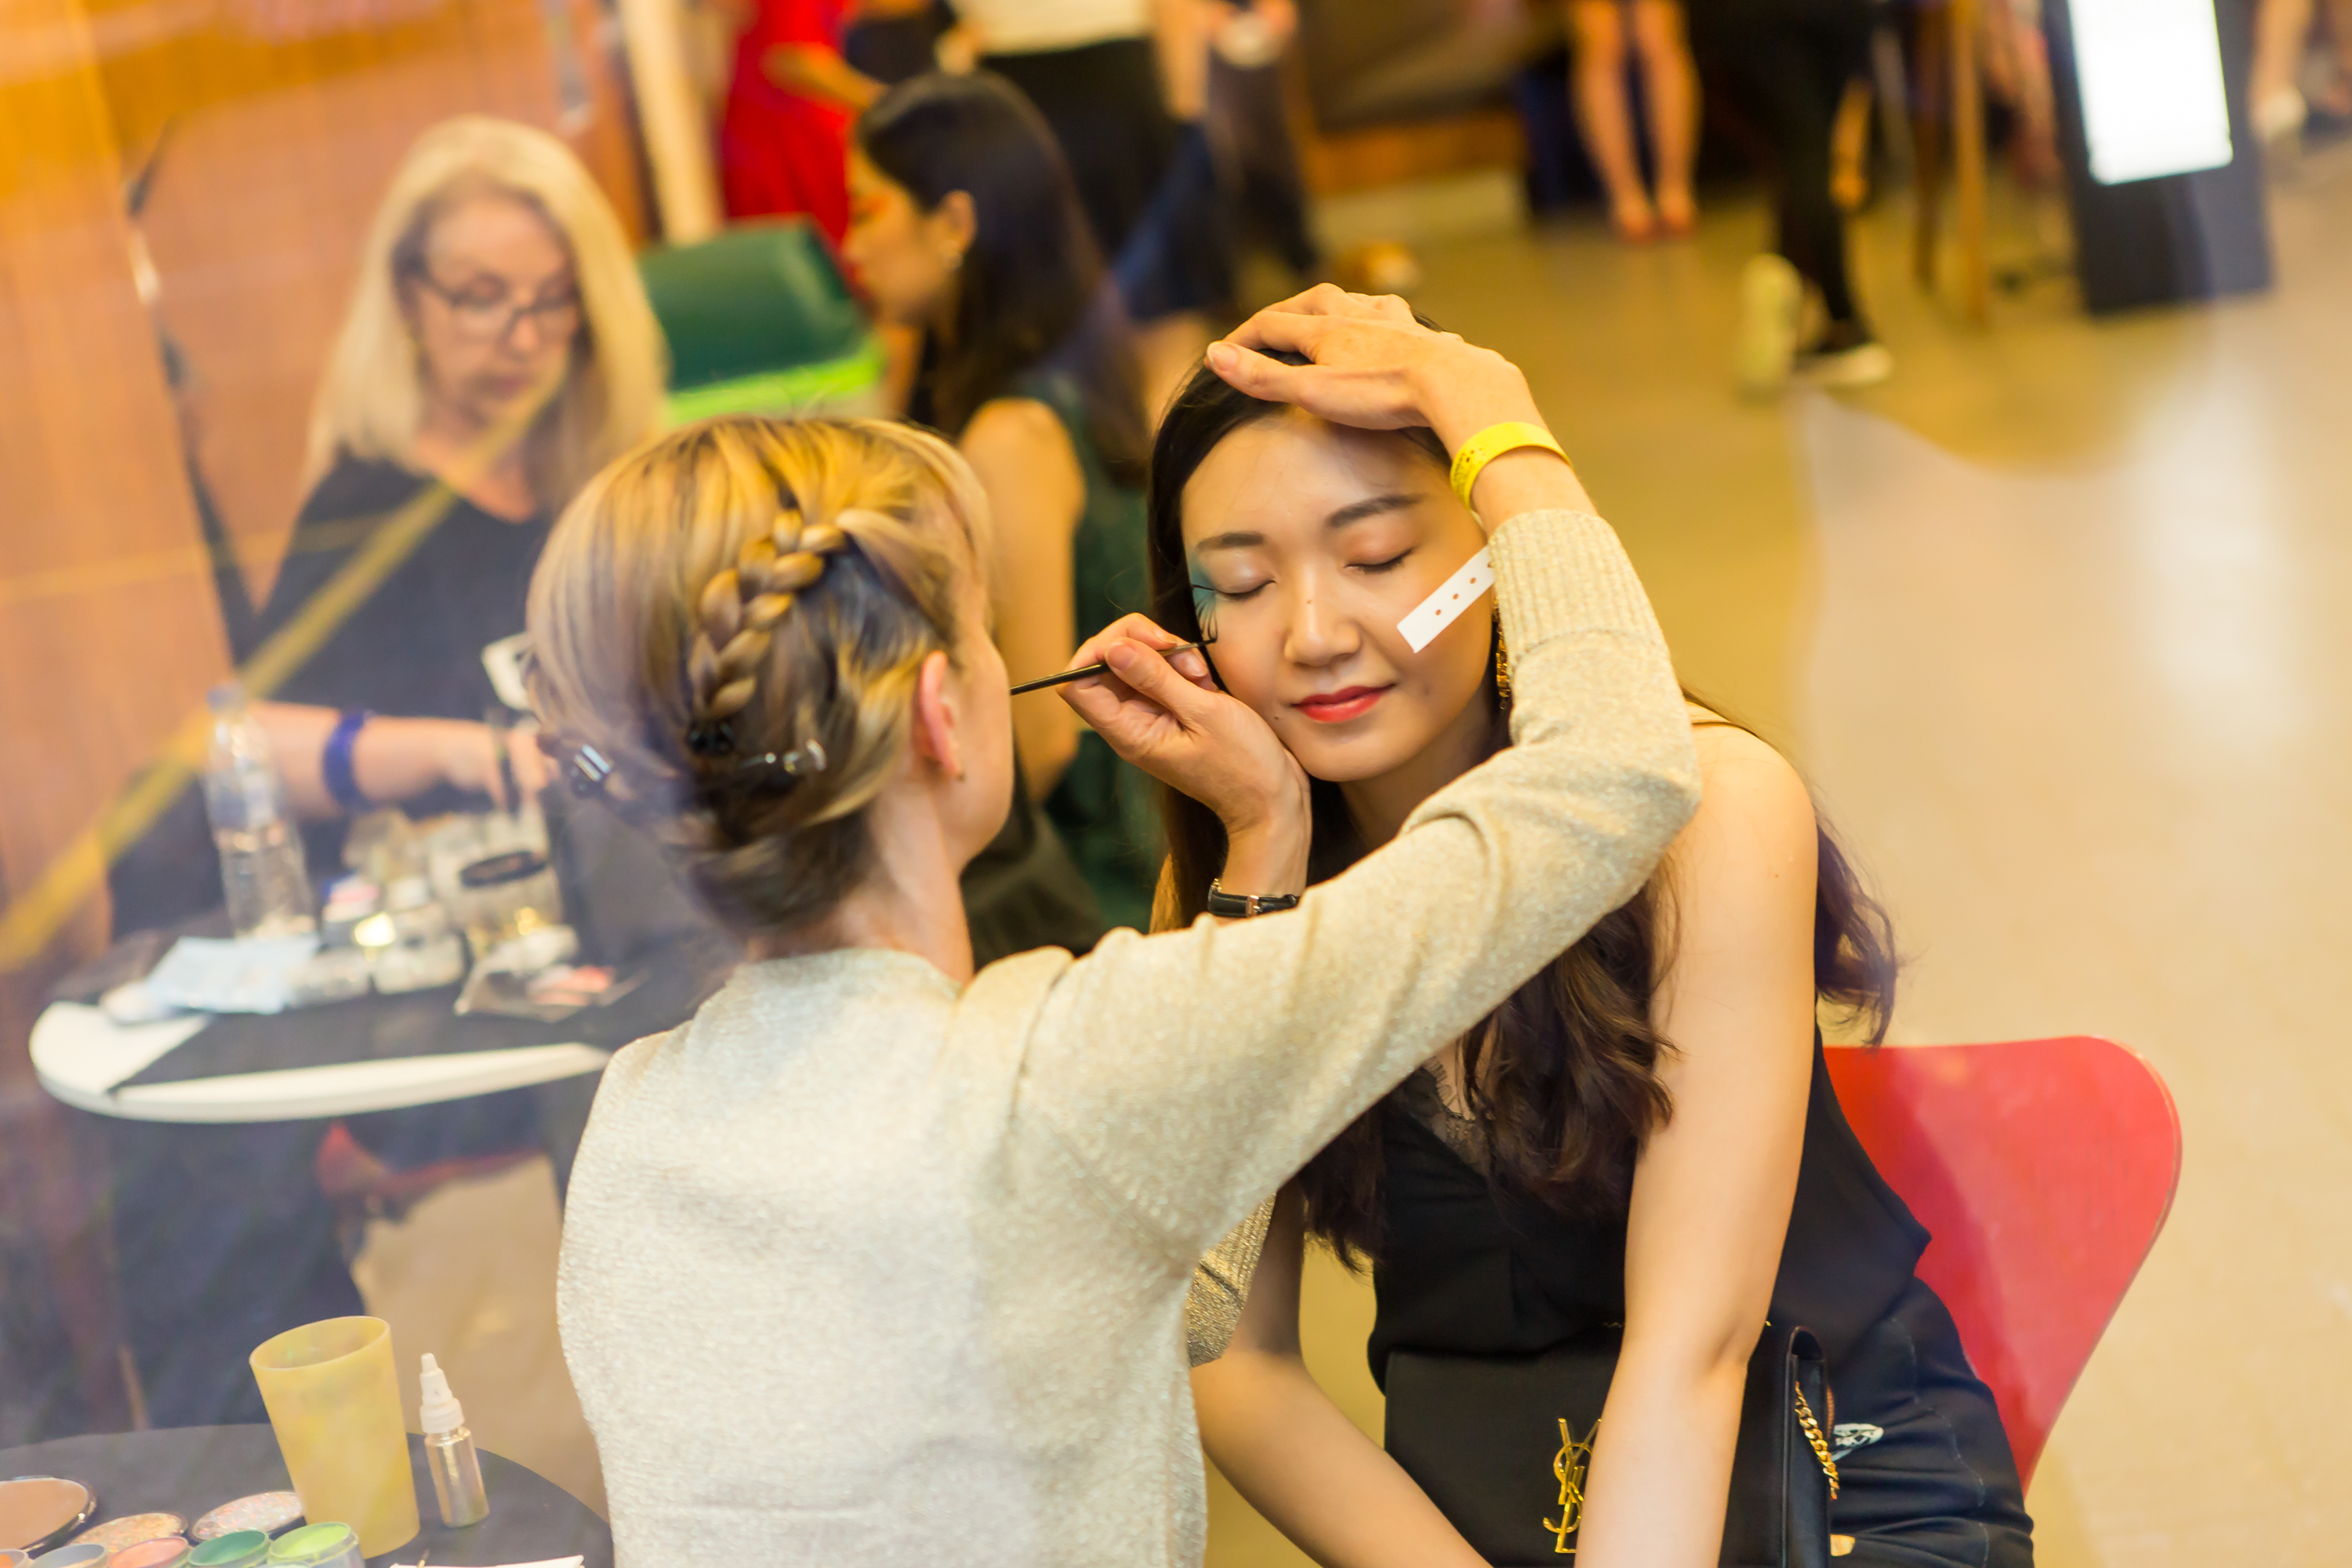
[{"x": 1320, "y": 633}]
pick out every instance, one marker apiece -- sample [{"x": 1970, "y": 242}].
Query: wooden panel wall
[
  {"x": 286, "y": 117},
  {"x": 107, "y": 627}
]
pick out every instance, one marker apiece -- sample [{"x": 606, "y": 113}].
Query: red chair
[{"x": 2045, "y": 1168}]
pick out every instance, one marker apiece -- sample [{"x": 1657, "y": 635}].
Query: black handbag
[{"x": 1500, "y": 1445}]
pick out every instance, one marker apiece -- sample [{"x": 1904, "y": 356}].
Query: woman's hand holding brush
[{"x": 1161, "y": 708}]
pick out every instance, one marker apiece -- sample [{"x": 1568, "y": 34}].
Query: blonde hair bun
[{"x": 732, "y": 616}]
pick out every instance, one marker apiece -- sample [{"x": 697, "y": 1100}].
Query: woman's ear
[
  {"x": 957, "y": 223},
  {"x": 937, "y": 719}
]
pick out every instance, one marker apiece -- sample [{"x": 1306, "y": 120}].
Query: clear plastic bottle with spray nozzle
[{"x": 449, "y": 1452}]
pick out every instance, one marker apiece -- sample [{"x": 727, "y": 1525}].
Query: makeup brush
[{"x": 1085, "y": 670}]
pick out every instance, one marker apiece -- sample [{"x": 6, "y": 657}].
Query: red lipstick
[{"x": 1339, "y": 707}]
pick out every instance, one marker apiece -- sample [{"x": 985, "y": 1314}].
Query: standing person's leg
[
  {"x": 2282, "y": 30},
  {"x": 1670, "y": 86},
  {"x": 1787, "y": 63},
  {"x": 1835, "y": 40},
  {"x": 1597, "y": 78},
  {"x": 2336, "y": 98}
]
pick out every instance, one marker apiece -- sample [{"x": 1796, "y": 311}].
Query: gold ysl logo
[{"x": 1568, "y": 1465}]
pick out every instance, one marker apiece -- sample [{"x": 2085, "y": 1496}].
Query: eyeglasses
[{"x": 489, "y": 317}]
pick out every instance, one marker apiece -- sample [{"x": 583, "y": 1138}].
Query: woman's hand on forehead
[{"x": 1374, "y": 366}]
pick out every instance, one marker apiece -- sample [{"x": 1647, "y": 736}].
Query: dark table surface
[{"x": 190, "y": 1470}]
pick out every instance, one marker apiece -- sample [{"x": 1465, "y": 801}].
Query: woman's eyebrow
[
  {"x": 1234, "y": 539},
  {"x": 1371, "y": 506}
]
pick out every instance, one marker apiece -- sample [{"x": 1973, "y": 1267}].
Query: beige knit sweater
[{"x": 860, "y": 1268}]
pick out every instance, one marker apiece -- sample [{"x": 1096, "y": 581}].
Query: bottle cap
[{"x": 440, "y": 1411}]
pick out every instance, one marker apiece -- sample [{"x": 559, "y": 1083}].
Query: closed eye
[
  {"x": 1233, "y": 594},
  {"x": 1376, "y": 567}
]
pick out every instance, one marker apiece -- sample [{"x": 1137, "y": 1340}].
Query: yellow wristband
[{"x": 1490, "y": 444}]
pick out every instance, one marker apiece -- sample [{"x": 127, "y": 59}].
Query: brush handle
[{"x": 1085, "y": 670}]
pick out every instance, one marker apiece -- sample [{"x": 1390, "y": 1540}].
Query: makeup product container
[
  {"x": 237, "y": 1549},
  {"x": 73, "y": 1557},
  {"x": 271, "y": 1513},
  {"x": 37, "y": 1513},
  {"x": 168, "y": 1551},
  {"x": 334, "y": 1404},
  {"x": 449, "y": 1451},
  {"x": 129, "y": 1530},
  {"x": 317, "y": 1546}
]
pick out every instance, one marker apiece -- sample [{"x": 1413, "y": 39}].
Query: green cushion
[
  {"x": 848, "y": 386},
  {"x": 759, "y": 299}
]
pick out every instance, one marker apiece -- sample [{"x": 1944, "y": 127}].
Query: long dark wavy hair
[
  {"x": 1032, "y": 293},
  {"x": 1562, "y": 1078}
]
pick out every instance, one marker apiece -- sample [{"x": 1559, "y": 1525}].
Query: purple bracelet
[{"x": 335, "y": 761}]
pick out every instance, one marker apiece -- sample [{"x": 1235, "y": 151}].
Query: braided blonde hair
[{"x": 733, "y": 616}]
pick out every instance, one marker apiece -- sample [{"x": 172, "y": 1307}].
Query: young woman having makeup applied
[
  {"x": 1642, "y": 1135},
  {"x": 881, "y": 1260}
]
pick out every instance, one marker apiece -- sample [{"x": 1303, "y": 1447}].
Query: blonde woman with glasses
[
  {"x": 876, "y": 1260},
  {"x": 499, "y": 350}
]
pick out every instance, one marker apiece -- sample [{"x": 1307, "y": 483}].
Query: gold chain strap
[{"x": 1820, "y": 1444}]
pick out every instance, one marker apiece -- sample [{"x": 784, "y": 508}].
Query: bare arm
[
  {"x": 391, "y": 759},
  {"x": 1287, "y": 1448},
  {"x": 1713, "y": 1188},
  {"x": 815, "y": 71},
  {"x": 1036, "y": 493}
]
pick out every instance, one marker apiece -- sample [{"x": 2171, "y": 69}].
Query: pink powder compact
[
  {"x": 166, "y": 1552},
  {"x": 131, "y": 1530}
]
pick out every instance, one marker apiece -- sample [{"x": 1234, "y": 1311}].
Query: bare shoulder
[
  {"x": 1016, "y": 429},
  {"x": 1752, "y": 799}
]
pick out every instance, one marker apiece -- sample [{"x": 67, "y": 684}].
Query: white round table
[{"x": 83, "y": 1058}]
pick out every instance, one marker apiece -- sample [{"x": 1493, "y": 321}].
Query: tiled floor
[{"x": 2050, "y": 620}]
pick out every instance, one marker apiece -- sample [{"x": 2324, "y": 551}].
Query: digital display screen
[{"x": 2153, "y": 102}]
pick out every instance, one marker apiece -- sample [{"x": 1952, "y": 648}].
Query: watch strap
[{"x": 1242, "y": 906}]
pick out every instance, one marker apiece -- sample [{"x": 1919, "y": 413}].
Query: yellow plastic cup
[{"x": 334, "y": 1404}]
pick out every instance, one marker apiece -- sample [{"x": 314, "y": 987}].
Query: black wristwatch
[{"x": 1241, "y": 906}]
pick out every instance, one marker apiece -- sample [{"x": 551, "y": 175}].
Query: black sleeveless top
[{"x": 1470, "y": 1269}]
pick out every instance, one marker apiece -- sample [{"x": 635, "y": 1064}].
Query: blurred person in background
[
  {"x": 1654, "y": 30},
  {"x": 2283, "y": 36},
  {"x": 1787, "y": 67},
  {"x": 894, "y": 40},
  {"x": 1123, "y": 85},
  {"x": 1249, "y": 124},
  {"x": 497, "y": 351},
  {"x": 966, "y": 226},
  {"x": 785, "y": 130}
]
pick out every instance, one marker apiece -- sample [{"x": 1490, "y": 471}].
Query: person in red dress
[{"x": 782, "y": 146}]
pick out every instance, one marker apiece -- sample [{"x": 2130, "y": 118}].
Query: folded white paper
[
  {"x": 1453, "y": 596},
  {"x": 205, "y": 974}
]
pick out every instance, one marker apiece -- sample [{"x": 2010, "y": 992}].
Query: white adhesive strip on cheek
[{"x": 1453, "y": 596}]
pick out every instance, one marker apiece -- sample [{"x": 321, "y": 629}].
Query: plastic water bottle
[{"x": 262, "y": 871}]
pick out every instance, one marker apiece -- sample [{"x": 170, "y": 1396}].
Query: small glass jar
[
  {"x": 237, "y": 1549},
  {"x": 326, "y": 1545}
]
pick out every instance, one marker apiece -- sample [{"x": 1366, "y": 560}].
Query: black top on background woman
[
  {"x": 1644, "y": 1135},
  {"x": 964, "y": 225}
]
